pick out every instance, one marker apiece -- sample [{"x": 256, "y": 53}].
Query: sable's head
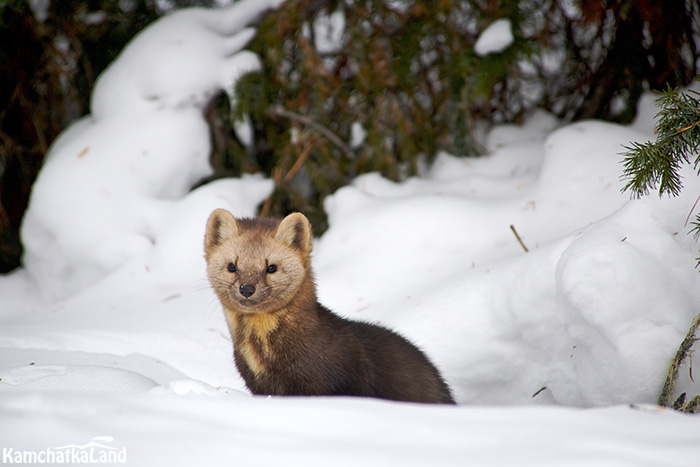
[{"x": 257, "y": 265}]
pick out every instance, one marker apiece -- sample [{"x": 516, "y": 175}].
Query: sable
[{"x": 285, "y": 342}]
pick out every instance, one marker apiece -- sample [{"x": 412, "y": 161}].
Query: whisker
[{"x": 213, "y": 307}]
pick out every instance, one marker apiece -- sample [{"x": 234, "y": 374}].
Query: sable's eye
[
  {"x": 231, "y": 267},
  {"x": 271, "y": 269}
]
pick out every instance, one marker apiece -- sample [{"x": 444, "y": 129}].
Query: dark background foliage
[{"x": 406, "y": 71}]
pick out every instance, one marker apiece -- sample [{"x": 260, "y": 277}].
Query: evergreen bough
[
  {"x": 652, "y": 165},
  {"x": 402, "y": 74}
]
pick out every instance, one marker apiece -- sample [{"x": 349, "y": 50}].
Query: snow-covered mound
[
  {"x": 593, "y": 312},
  {"x": 109, "y": 181},
  {"x": 135, "y": 348}
]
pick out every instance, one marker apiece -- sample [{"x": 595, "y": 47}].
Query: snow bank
[
  {"x": 592, "y": 313},
  {"x": 238, "y": 430},
  {"x": 109, "y": 181}
]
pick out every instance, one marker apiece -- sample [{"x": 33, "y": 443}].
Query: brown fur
[{"x": 285, "y": 342}]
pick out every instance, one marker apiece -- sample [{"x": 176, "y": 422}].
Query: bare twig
[
  {"x": 681, "y": 130},
  {"x": 687, "y": 219},
  {"x": 265, "y": 210},
  {"x": 520, "y": 240},
  {"x": 299, "y": 162},
  {"x": 279, "y": 111},
  {"x": 280, "y": 180}
]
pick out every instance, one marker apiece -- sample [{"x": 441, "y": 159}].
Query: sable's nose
[{"x": 247, "y": 290}]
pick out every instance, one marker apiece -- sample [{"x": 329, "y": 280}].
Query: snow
[
  {"x": 358, "y": 135},
  {"x": 255, "y": 431},
  {"x": 328, "y": 32},
  {"x": 111, "y": 336},
  {"x": 144, "y": 145},
  {"x": 40, "y": 9},
  {"x": 496, "y": 38}
]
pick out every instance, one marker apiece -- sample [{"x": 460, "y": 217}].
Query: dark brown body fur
[{"x": 295, "y": 346}]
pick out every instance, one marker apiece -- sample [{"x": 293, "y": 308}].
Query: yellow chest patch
[{"x": 250, "y": 333}]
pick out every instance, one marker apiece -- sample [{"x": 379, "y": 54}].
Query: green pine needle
[{"x": 656, "y": 165}]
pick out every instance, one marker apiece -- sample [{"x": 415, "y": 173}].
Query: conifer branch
[
  {"x": 648, "y": 165},
  {"x": 657, "y": 164},
  {"x": 672, "y": 374}
]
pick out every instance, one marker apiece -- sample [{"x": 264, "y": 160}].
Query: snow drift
[{"x": 109, "y": 180}]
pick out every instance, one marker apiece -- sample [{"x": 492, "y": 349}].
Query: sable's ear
[
  {"x": 220, "y": 226},
  {"x": 295, "y": 231}
]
